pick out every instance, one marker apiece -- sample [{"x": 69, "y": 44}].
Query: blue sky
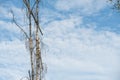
[{"x": 81, "y": 40}]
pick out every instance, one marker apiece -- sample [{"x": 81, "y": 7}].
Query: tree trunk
[{"x": 32, "y": 11}]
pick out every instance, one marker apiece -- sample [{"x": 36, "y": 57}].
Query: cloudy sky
[{"x": 81, "y": 40}]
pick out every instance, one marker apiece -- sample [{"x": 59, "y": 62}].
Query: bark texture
[{"x": 33, "y": 39}]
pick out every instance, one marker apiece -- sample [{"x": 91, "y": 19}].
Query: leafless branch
[
  {"x": 30, "y": 11},
  {"x": 19, "y": 25},
  {"x": 37, "y": 67}
]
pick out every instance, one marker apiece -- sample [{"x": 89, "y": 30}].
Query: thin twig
[
  {"x": 30, "y": 10},
  {"x": 19, "y": 25}
]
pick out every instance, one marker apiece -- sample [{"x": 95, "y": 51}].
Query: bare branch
[
  {"x": 30, "y": 11},
  {"x": 19, "y": 25},
  {"x": 40, "y": 31},
  {"x": 37, "y": 70},
  {"x": 33, "y": 5}
]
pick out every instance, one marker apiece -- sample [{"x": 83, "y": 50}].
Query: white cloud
[
  {"x": 7, "y": 26},
  {"x": 85, "y": 6},
  {"x": 5, "y": 11},
  {"x": 82, "y": 51},
  {"x": 14, "y": 60},
  {"x": 74, "y": 52},
  {"x": 9, "y": 31}
]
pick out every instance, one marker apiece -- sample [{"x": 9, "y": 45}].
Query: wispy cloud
[
  {"x": 73, "y": 51},
  {"x": 82, "y": 51},
  {"x": 14, "y": 61},
  {"x": 86, "y": 6}
]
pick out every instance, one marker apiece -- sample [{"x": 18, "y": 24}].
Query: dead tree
[{"x": 33, "y": 39}]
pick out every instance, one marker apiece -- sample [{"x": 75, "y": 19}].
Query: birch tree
[{"x": 33, "y": 38}]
